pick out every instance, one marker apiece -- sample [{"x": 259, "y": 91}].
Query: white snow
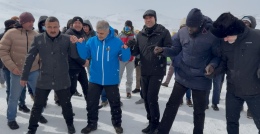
[
  {"x": 134, "y": 116},
  {"x": 169, "y": 13}
]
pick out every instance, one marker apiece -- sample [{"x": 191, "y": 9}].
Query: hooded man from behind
[{"x": 240, "y": 51}]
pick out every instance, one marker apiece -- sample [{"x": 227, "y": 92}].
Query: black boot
[
  {"x": 31, "y": 132},
  {"x": 71, "y": 129},
  {"x": 42, "y": 120},
  {"x": 215, "y": 107},
  {"x": 119, "y": 130},
  {"x": 88, "y": 129},
  {"x": 147, "y": 129},
  {"x": 13, "y": 125},
  {"x": 24, "y": 108}
]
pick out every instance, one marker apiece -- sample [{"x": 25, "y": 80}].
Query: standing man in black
[
  {"x": 77, "y": 70},
  {"x": 153, "y": 66}
]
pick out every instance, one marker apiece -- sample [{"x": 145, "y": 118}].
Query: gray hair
[
  {"x": 52, "y": 19},
  {"x": 102, "y": 25}
]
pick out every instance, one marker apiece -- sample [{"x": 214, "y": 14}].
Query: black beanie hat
[
  {"x": 227, "y": 25},
  {"x": 194, "y": 18},
  {"x": 150, "y": 13},
  {"x": 8, "y": 23},
  {"x": 77, "y": 18},
  {"x": 129, "y": 23}
]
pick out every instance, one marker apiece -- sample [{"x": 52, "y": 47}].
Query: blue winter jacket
[
  {"x": 192, "y": 57},
  {"x": 104, "y": 55}
]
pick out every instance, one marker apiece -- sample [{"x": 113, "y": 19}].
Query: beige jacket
[{"x": 14, "y": 47}]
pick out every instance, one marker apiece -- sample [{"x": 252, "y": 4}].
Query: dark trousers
[
  {"x": 41, "y": 98},
  {"x": 81, "y": 76},
  {"x": 173, "y": 104},
  {"x": 233, "y": 108},
  {"x": 150, "y": 86},
  {"x": 113, "y": 96}
]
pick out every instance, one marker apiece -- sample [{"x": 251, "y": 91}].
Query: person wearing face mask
[
  {"x": 250, "y": 22},
  {"x": 153, "y": 66},
  {"x": 125, "y": 35},
  {"x": 41, "y": 24},
  {"x": 240, "y": 51},
  {"x": 198, "y": 55}
]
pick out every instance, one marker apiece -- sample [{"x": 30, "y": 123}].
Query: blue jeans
[
  {"x": 233, "y": 108},
  {"x": 217, "y": 86},
  {"x": 188, "y": 94},
  {"x": 16, "y": 90},
  {"x": 103, "y": 96},
  {"x": 7, "y": 78}
]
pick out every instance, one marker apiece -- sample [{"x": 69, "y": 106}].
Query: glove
[
  {"x": 258, "y": 73},
  {"x": 158, "y": 50},
  {"x": 209, "y": 69},
  {"x": 131, "y": 43}
]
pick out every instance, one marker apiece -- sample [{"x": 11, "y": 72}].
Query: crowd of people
[{"x": 202, "y": 52}]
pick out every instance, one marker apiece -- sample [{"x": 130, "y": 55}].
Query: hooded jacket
[
  {"x": 41, "y": 20},
  {"x": 91, "y": 30},
  {"x": 252, "y": 19},
  {"x": 104, "y": 66}
]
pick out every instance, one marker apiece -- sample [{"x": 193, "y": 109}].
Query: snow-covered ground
[{"x": 134, "y": 116}]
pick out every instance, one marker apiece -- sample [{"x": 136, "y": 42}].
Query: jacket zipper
[
  {"x": 108, "y": 50},
  {"x": 103, "y": 73},
  {"x": 97, "y": 52}
]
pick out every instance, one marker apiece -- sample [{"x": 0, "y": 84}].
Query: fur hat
[
  {"x": 77, "y": 18},
  {"x": 150, "y": 13},
  {"x": 26, "y": 17},
  {"x": 8, "y": 23},
  {"x": 227, "y": 25},
  {"x": 194, "y": 18}
]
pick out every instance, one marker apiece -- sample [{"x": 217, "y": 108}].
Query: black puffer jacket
[
  {"x": 75, "y": 64},
  {"x": 240, "y": 61},
  {"x": 150, "y": 63}
]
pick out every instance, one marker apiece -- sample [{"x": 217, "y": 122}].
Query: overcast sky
[{"x": 103, "y": 8}]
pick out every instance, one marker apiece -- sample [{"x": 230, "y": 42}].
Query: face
[
  {"x": 247, "y": 23},
  {"x": 102, "y": 34},
  {"x": 77, "y": 25},
  {"x": 149, "y": 21},
  {"x": 28, "y": 25},
  {"x": 52, "y": 28},
  {"x": 193, "y": 30},
  {"x": 86, "y": 28},
  {"x": 230, "y": 39}
]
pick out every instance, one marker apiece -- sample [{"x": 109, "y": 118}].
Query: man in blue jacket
[
  {"x": 104, "y": 51},
  {"x": 199, "y": 56}
]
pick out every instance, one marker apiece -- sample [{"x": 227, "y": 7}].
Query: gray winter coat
[{"x": 54, "y": 69}]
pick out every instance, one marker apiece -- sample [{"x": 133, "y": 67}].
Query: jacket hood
[
  {"x": 88, "y": 23},
  {"x": 41, "y": 19},
  {"x": 111, "y": 33},
  {"x": 252, "y": 21}
]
